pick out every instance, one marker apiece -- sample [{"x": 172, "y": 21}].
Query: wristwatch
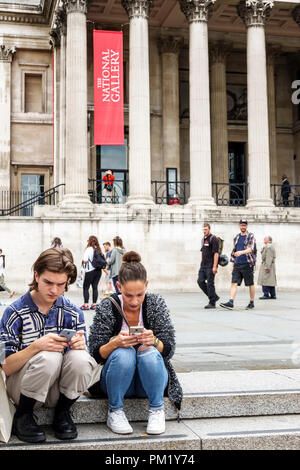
[{"x": 156, "y": 341}]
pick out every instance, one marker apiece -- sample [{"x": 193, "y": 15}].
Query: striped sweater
[
  {"x": 108, "y": 322},
  {"x": 22, "y": 323}
]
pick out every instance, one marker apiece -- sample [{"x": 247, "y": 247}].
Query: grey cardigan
[
  {"x": 108, "y": 322},
  {"x": 115, "y": 260}
]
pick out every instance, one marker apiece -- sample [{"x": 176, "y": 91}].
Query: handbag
[{"x": 7, "y": 411}]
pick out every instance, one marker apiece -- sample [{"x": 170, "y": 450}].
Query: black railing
[
  {"x": 283, "y": 198},
  {"x": 21, "y": 203},
  {"x": 99, "y": 195},
  {"x": 171, "y": 193},
  {"x": 230, "y": 194}
]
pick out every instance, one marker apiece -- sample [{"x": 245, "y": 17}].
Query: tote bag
[{"x": 7, "y": 411}]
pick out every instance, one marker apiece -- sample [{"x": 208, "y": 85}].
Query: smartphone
[
  {"x": 136, "y": 330},
  {"x": 67, "y": 333}
]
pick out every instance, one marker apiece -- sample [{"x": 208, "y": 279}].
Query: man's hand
[
  {"x": 50, "y": 342},
  {"x": 215, "y": 269},
  {"x": 78, "y": 341},
  {"x": 238, "y": 253}
]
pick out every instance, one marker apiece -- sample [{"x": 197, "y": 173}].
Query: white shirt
[
  {"x": 124, "y": 324},
  {"x": 88, "y": 256}
]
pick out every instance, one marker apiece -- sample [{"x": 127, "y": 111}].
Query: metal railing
[
  {"x": 230, "y": 194},
  {"x": 21, "y": 203},
  {"x": 171, "y": 193},
  {"x": 99, "y": 195},
  {"x": 282, "y": 198}
]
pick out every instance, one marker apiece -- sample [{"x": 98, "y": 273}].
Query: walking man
[
  {"x": 209, "y": 266},
  {"x": 41, "y": 365},
  {"x": 285, "y": 190},
  {"x": 267, "y": 270},
  {"x": 243, "y": 259},
  {"x": 3, "y": 286}
]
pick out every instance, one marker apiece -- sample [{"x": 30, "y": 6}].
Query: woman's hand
[
  {"x": 125, "y": 340},
  {"x": 147, "y": 337}
]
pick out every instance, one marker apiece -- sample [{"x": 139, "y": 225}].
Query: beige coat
[{"x": 268, "y": 256}]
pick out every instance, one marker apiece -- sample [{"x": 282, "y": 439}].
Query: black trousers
[
  {"x": 206, "y": 282},
  {"x": 91, "y": 278}
]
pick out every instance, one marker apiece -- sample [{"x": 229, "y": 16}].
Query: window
[
  {"x": 33, "y": 93},
  {"x": 31, "y": 185}
]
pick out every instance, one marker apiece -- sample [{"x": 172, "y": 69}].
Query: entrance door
[
  {"x": 237, "y": 173},
  {"x": 31, "y": 185}
]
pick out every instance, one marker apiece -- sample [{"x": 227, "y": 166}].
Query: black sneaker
[
  {"x": 210, "y": 306},
  {"x": 227, "y": 305},
  {"x": 264, "y": 297},
  {"x": 63, "y": 425},
  {"x": 250, "y": 305},
  {"x": 26, "y": 429}
]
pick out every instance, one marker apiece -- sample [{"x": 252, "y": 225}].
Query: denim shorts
[{"x": 243, "y": 271}]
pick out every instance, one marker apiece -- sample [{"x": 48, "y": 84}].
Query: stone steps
[{"x": 221, "y": 410}]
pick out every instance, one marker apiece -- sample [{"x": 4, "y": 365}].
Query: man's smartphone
[
  {"x": 67, "y": 333},
  {"x": 136, "y": 330}
]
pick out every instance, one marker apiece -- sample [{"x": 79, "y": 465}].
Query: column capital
[
  {"x": 137, "y": 8},
  {"x": 219, "y": 51},
  {"x": 196, "y": 11},
  {"x": 170, "y": 44},
  {"x": 75, "y": 5},
  {"x": 6, "y": 53},
  {"x": 255, "y": 12}
]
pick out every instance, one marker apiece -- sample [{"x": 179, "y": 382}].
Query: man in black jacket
[
  {"x": 209, "y": 266},
  {"x": 285, "y": 190}
]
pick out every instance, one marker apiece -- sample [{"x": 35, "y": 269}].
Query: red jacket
[{"x": 108, "y": 179}]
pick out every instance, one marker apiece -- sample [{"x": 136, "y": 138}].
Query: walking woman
[
  {"x": 92, "y": 274},
  {"x": 134, "y": 364},
  {"x": 115, "y": 261}
]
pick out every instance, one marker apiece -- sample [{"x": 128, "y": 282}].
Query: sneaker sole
[
  {"x": 226, "y": 306},
  {"x": 155, "y": 432},
  {"x": 119, "y": 431}
]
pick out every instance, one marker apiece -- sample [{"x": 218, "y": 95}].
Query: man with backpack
[
  {"x": 209, "y": 266},
  {"x": 243, "y": 257}
]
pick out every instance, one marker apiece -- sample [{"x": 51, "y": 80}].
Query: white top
[
  {"x": 1, "y": 266},
  {"x": 88, "y": 257},
  {"x": 124, "y": 324}
]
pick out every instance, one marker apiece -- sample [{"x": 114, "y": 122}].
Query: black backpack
[{"x": 98, "y": 260}]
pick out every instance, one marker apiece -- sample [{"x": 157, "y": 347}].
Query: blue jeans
[{"x": 128, "y": 373}]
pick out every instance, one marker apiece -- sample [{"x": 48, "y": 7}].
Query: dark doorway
[{"x": 237, "y": 173}]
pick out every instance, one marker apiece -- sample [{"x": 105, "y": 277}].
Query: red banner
[{"x": 108, "y": 88}]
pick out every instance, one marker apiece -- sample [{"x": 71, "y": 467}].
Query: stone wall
[{"x": 168, "y": 239}]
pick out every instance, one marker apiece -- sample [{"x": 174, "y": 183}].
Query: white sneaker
[
  {"x": 156, "y": 422},
  {"x": 118, "y": 423}
]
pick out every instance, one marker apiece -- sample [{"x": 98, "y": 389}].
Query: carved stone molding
[
  {"x": 75, "y": 6},
  {"x": 196, "y": 11},
  {"x": 170, "y": 44},
  {"x": 137, "y": 8},
  {"x": 219, "y": 51},
  {"x": 6, "y": 53},
  {"x": 61, "y": 20},
  {"x": 255, "y": 12}
]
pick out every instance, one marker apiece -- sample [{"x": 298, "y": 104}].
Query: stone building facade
[{"x": 210, "y": 109}]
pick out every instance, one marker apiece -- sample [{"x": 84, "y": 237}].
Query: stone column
[
  {"x": 6, "y": 55},
  {"x": 254, "y": 14},
  {"x": 219, "y": 133},
  {"x": 76, "y": 189},
  {"x": 169, "y": 48},
  {"x": 139, "y": 103},
  {"x": 197, "y": 13},
  {"x": 272, "y": 52}
]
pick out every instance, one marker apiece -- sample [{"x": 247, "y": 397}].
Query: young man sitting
[{"x": 41, "y": 366}]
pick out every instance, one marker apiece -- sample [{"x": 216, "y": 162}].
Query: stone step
[
  {"x": 208, "y": 395},
  {"x": 243, "y": 433}
]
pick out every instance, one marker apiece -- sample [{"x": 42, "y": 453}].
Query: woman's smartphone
[
  {"x": 68, "y": 334},
  {"x": 136, "y": 330}
]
